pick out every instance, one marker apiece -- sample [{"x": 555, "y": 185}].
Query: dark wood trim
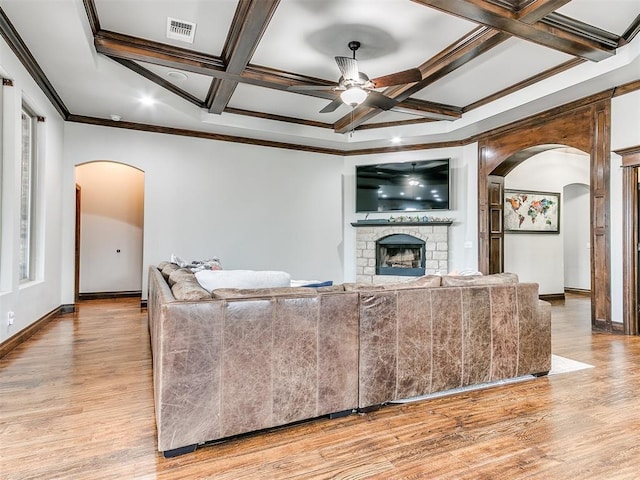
[
  {"x": 143, "y": 304},
  {"x": 553, "y": 31},
  {"x": 413, "y": 121},
  {"x": 197, "y": 134},
  {"x": 20, "y": 337},
  {"x": 577, "y": 291},
  {"x": 524, "y": 83},
  {"x": 467, "y": 48},
  {"x": 600, "y": 226},
  {"x": 249, "y": 24},
  {"x": 21, "y": 51},
  {"x": 405, "y": 148},
  {"x": 536, "y": 10},
  {"x": 626, "y": 88},
  {"x": 552, "y": 297},
  {"x": 630, "y": 249},
  {"x": 92, "y": 16},
  {"x": 109, "y": 295},
  {"x": 547, "y": 115},
  {"x": 632, "y": 31},
  {"x": 158, "y": 80},
  {"x": 278, "y": 118},
  {"x": 386, "y": 223},
  {"x": 77, "y": 238},
  {"x": 585, "y": 125},
  {"x": 630, "y": 156}
]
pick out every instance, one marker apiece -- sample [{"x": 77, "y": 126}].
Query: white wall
[
  {"x": 463, "y": 236},
  {"x": 111, "y": 227},
  {"x": 575, "y": 225},
  {"x": 254, "y": 207},
  {"x": 540, "y": 257},
  {"x": 625, "y": 133},
  {"x": 32, "y": 300}
]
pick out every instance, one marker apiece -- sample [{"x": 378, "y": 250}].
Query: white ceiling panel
[
  {"x": 194, "y": 83},
  {"x": 148, "y": 19},
  {"x": 504, "y": 65},
  {"x": 613, "y": 16},
  {"x": 305, "y": 35},
  {"x": 249, "y": 97}
]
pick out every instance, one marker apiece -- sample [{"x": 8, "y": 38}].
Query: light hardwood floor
[{"x": 76, "y": 403}]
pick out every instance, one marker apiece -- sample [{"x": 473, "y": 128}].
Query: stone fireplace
[
  {"x": 430, "y": 251},
  {"x": 400, "y": 254}
]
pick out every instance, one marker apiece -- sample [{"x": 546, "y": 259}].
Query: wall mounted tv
[{"x": 407, "y": 186}]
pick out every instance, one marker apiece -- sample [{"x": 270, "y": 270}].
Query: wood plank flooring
[{"x": 76, "y": 403}]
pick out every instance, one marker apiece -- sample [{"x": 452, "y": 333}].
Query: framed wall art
[{"x": 531, "y": 212}]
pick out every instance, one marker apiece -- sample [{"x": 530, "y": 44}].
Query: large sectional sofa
[{"x": 234, "y": 361}]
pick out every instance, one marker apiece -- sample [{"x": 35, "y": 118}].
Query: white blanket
[{"x": 212, "y": 279}]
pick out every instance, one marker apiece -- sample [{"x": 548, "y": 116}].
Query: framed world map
[{"x": 531, "y": 212}]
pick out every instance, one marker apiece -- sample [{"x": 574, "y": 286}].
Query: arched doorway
[
  {"x": 584, "y": 125},
  {"x": 109, "y": 230}
]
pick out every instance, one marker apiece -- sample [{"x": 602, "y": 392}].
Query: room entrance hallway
[{"x": 76, "y": 403}]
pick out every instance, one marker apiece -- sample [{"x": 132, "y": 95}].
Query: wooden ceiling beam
[
  {"x": 538, "y": 9},
  {"x": 556, "y": 35},
  {"x": 249, "y": 24},
  {"x": 133, "y": 49},
  {"x": 454, "y": 56}
]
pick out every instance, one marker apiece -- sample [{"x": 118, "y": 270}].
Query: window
[{"x": 27, "y": 191}]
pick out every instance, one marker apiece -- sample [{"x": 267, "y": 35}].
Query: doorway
[
  {"x": 553, "y": 246},
  {"x": 583, "y": 125},
  {"x": 109, "y": 230}
]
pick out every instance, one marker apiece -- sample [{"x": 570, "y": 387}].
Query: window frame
[{"x": 27, "y": 254}]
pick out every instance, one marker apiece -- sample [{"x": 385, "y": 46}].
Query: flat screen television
[{"x": 407, "y": 186}]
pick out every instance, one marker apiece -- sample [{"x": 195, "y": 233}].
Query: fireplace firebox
[{"x": 400, "y": 254}]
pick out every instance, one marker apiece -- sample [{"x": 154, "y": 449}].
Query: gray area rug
[{"x": 558, "y": 365}]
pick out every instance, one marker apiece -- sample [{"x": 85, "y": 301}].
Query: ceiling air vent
[{"x": 180, "y": 30}]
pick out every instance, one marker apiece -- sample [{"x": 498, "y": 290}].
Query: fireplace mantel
[{"x": 387, "y": 223}]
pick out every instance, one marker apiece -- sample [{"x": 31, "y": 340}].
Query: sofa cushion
[
  {"x": 162, "y": 264},
  {"x": 468, "y": 280},
  {"x": 189, "y": 289},
  {"x": 168, "y": 269},
  {"x": 424, "y": 281},
  {"x": 180, "y": 274},
  {"x": 213, "y": 279},
  {"x": 229, "y": 293}
]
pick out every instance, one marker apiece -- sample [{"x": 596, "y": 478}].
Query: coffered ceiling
[{"x": 481, "y": 64}]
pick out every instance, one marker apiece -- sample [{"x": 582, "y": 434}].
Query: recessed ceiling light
[
  {"x": 177, "y": 75},
  {"x": 115, "y": 118},
  {"x": 147, "y": 100},
  {"x": 396, "y": 140}
]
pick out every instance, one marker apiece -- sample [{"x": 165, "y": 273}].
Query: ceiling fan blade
[
  {"x": 302, "y": 88},
  {"x": 349, "y": 68},
  {"x": 332, "y": 107},
  {"x": 378, "y": 100},
  {"x": 407, "y": 76}
]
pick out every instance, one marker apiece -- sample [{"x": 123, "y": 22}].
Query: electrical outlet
[{"x": 10, "y": 318}]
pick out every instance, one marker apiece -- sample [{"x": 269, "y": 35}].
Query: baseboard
[
  {"x": 20, "y": 337},
  {"x": 143, "y": 304},
  {"x": 109, "y": 295},
  {"x": 553, "y": 297},
  {"x": 578, "y": 291}
]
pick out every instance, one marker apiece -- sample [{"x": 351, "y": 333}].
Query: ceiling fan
[{"x": 355, "y": 88}]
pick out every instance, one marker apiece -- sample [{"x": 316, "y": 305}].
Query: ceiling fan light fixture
[{"x": 354, "y": 96}]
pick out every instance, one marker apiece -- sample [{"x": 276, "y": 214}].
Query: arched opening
[
  {"x": 583, "y": 125},
  {"x": 109, "y": 229},
  {"x": 550, "y": 244}
]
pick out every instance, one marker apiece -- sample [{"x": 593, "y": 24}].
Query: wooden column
[{"x": 630, "y": 162}]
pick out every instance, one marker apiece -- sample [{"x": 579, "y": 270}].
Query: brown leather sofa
[{"x": 242, "y": 361}]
